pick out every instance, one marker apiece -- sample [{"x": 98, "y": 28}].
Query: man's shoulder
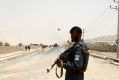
[{"x": 80, "y": 44}]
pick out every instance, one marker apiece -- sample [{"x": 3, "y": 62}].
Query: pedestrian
[
  {"x": 74, "y": 59},
  {"x": 43, "y": 46},
  {"x": 29, "y": 47},
  {"x": 26, "y": 48}
]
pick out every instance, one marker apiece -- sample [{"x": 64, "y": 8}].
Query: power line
[
  {"x": 103, "y": 20},
  {"x": 102, "y": 14},
  {"x": 108, "y": 20}
]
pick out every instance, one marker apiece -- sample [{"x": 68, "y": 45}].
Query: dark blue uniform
[{"x": 73, "y": 62}]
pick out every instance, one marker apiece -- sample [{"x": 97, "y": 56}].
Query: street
[{"x": 33, "y": 67}]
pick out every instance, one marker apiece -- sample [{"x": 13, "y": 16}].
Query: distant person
[
  {"x": 75, "y": 59},
  {"x": 29, "y": 47},
  {"x": 43, "y": 47},
  {"x": 26, "y": 47}
]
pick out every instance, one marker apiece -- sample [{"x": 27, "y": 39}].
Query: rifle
[
  {"x": 61, "y": 68},
  {"x": 52, "y": 66}
]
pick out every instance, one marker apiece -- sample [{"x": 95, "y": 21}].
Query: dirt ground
[
  {"x": 33, "y": 67},
  {"x": 9, "y": 49}
]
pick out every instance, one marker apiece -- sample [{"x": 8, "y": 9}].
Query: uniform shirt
[{"x": 75, "y": 63}]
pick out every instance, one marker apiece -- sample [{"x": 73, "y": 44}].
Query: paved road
[{"x": 33, "y": 67}]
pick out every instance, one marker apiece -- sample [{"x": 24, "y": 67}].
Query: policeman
[{"x": 73, "y": 57}]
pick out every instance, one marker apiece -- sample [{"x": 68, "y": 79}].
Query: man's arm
[
  {"x": 77, "y": 63},
  {"x": 64, "y": 54}
]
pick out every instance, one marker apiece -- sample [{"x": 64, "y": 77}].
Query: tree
[
  {"x": 20, "y": 44},
  {"x": 1, "y": 44},
  {"x": 6, "y": 44}
]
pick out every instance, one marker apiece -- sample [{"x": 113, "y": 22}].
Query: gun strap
[{"x": 61, "y": 70}]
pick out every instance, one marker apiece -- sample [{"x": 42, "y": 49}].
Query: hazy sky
[{"x": 37, "y": 20}]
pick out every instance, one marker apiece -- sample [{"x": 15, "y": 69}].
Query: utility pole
[
  {"x": 117, "y": 8},
  {"x": 83, "y": 33}
]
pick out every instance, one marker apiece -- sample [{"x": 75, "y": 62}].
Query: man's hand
[{"x": 58, "y": 62}]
